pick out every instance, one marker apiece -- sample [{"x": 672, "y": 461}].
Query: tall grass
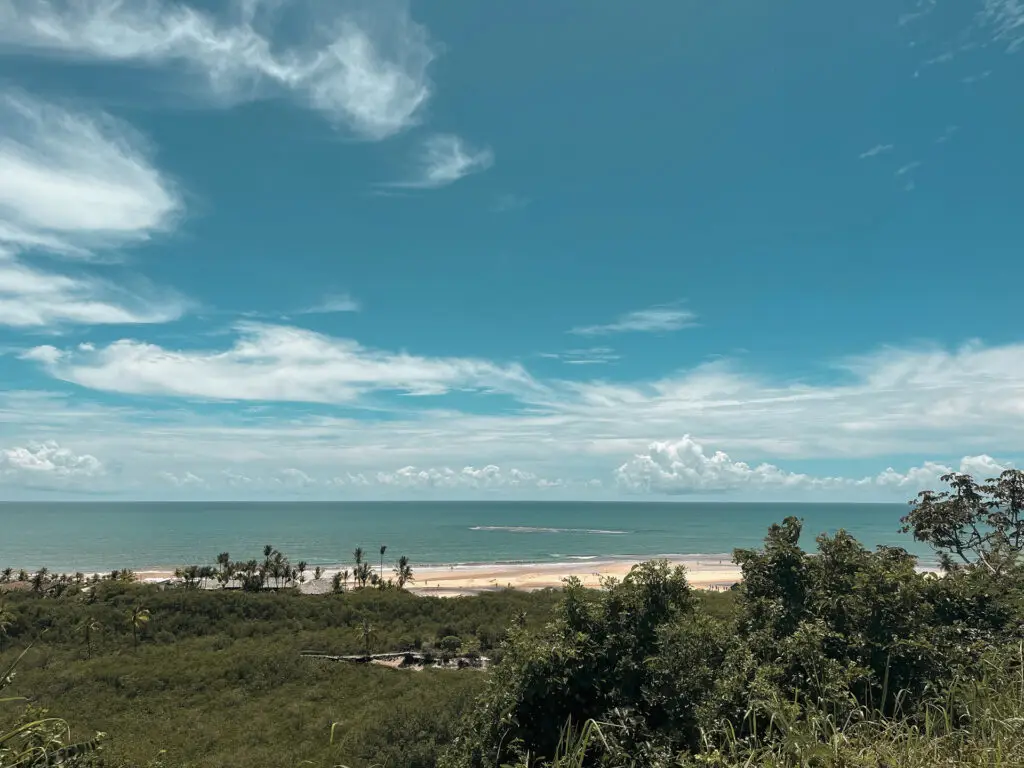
[{"x": 977, "y": 724}]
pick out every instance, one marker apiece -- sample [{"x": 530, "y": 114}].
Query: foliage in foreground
[
  {"x": 849, "y": 643},
  {"x": 216, "y": 677}
]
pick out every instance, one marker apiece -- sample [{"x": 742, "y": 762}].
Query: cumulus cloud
[
  {"x": 651, "y": 320},
  {"x": 444, "y": 159},
  {"x": 46, "y": 464},
  {"x": 682, "y": 467},
  {"x": 274, "y": 363},
  {"x": 363, "y": 65},
  {"x": 183, "y": 480}
]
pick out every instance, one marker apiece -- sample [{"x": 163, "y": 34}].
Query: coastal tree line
[{"x": 273, "y": 571}]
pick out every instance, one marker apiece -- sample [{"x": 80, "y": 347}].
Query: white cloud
[
  {"x": 444, "y": 159},
  {"x": 1005, "y": 19},
  {"x": 489, "y": 477},
  {"x": 682, "y": 467},
  {"x": 363, "y": 65},
  {"x": 332, "y": 304},
  {"x": 274, "y": 363},
  {"x": 588, "y": 356},
  {"x": 184, "y": 480},
  {"x": 905, "y": 169},
  {"x": 71, "y": 183},
  {"x": 876, "y": 150},
  {"x": 70, "y": 180},
  {"x": 652, "y": 320},
  {"x": 926, "y": 402},
  {"x": 45, "y": 465},
  {"x": 32, "y": 297}
]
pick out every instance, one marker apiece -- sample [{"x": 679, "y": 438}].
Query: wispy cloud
[
  {"x": 444, "y": 159},
  {"x": 275, "y": 363},
  {"x": 652, "y": 320},
  {"x": 331, "y": 304},
  {"x": 908, "y": 168},
  {"x": 31, "y": 298},
  {"x": 70, "y": 181},
  {"x": 1005, "y": 18},
  {"x": 76, "y": 185},
  {"x": 509, "y": 202},
  {"x": 923, "y": 8},
  {"x": 364, "y": 70},
  {"x": 588, "y": 356},
  {"x": 972, "y": 79},
  {"x": 876, "y": 150},
  {"x": 928, "y": 402}
]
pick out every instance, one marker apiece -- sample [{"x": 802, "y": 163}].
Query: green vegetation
[{"x": 846, "y": 658}]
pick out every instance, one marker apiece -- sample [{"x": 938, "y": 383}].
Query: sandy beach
[{"x": 452, "y": 581}]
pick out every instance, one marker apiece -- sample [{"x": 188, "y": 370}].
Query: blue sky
[{"x": 527, "y": 249}]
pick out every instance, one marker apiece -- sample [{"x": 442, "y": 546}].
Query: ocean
[{"x": 100, "y": 536}]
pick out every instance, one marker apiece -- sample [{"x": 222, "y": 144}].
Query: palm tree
[
  {"x": 317, "y": 573},
  {"x": 344, "y": 578},
  {"x": 5, "y": 576},
  {"x": 22, "y": 575},
  {"x": 302, "y": 570},
  {"x": 366, "y": 630},
  {"x": 403, "y": 572},
  {"x": 87, "y": 627},
  {"x": 226, "y": 569},
  {"x": 360, "y": 573},
  {"x": 39, "y": 579},
  {"x": 383, "y": 547},
  {"x": 140, "y": 619}
]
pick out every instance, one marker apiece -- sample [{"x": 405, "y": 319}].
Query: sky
[{"x": 515, "y": 249}]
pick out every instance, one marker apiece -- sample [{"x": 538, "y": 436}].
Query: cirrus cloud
[{"x": 362, "y": 65}]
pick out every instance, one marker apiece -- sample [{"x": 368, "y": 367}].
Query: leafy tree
[
  {"x": 972, "y": 522},
  {"x": 40, "y": 579},
  {"x": 594, "y": 662},
  {"x": 6, "y": 622},
  {"x": 383, "y": 549},
  {"x": 22, "y": 575},
  {"x": 6, "y": 575},
  {"x": 403, "y": 572},
  {"x": 318, "y": 572}
]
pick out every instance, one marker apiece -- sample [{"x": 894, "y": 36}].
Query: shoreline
[{"x": 702, "y": 572}]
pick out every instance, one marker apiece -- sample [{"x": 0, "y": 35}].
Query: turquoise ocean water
[{"x": 101, "y": 536}]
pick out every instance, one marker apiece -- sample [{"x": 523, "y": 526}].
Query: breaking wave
[{"x": 532, "y": 529}]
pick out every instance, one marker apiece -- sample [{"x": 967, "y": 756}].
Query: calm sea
[{"x": 102, "y": 536}]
